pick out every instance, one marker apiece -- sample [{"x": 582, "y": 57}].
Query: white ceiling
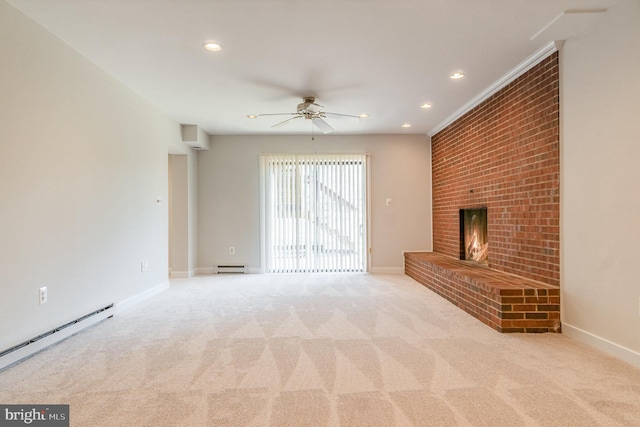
[{"x": 381, "y": 57}]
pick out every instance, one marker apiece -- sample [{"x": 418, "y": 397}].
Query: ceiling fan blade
[
  {"x": 277, "y": 114},
  {"x": 340, "y": 115},
  {"x": 322, "y": 125},
  {"x": 277, "y": 125}
]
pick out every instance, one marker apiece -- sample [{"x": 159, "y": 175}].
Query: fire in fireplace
[{"x": 474, "y": 244}]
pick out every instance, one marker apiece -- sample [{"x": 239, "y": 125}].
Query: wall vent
[
  {"x": 221, "y": 269},
  {"x": 30, "y": 347}
]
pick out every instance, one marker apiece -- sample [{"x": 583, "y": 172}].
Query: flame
[{"x": 477, "y": 250}]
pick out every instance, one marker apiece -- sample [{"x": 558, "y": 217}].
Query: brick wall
[{"x": 504, "y": 154}]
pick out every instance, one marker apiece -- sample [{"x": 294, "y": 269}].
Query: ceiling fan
[{"x": 308, "y": 109}]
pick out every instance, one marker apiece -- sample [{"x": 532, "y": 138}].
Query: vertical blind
[{"x": 314, "y": 213}]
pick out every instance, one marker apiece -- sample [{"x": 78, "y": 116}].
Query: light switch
[{"x": 388, "y": 202}]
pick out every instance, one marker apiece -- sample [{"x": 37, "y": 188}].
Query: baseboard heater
[
  {"x": 30, "y": 347},
  {"x": 221, "y": 269}
]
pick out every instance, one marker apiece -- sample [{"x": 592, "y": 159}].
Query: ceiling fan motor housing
[{"x": 307, "y": 107}]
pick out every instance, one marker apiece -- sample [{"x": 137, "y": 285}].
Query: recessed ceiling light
[
  {"x": 252, "y": 116},
  {"x": 212, "y": 46},
  {"x": 406, "y": 125},
  {"x": 363, "y": 116},
  {"x": 457, "y": 75},
  {"x": 426, "y": 105}
]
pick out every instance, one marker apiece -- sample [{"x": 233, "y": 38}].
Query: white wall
[
  {"x": 183, "y": 214},
  {"x": 178, "y": 215},
  {"x": 600, "y": 155},
  {"x": 192, "y": 178},
  {"x": 229, "y": 197},
  {"x": 82, "y": 161}
]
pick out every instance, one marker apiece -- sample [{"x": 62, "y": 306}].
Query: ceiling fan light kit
[{"x": 308, "y": 109}]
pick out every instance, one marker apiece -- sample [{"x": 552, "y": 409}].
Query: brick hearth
[{"x": 506, "y": 302}]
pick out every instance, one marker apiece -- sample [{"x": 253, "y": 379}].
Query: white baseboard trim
[
  {"x": 626, "y": 354},
  {"x": 205, "y": 271},
  {"x": 136, "y": 299},
  {"x": 180, "y": 274},
  {"x": 33, "y": 346},
  {"x": 386, "y": 270}
]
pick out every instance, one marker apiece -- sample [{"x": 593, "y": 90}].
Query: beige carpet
[{"x": 319, "y": 350}]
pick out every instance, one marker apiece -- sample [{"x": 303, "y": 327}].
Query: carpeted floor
[{"x": 319, "y": 350}]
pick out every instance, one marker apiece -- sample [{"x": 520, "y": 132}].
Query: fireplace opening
[{"x": 474, "y": 244}]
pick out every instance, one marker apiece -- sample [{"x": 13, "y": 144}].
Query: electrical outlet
[
  {"x": 43, "y": 297},
  {"x": 232, "y": 250},
  {"x": 144, "y": 266}
]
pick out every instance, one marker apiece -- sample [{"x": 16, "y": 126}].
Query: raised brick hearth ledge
[{"x": 506, "y": 302}]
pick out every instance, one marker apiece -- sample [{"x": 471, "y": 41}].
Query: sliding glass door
[{"x": 314, "y": 213}]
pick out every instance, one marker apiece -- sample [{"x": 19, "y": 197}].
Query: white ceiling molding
[{"x": 516, "y": 72}]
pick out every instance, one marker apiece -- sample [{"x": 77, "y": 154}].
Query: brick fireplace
[{"x": 504, "y": 156}]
